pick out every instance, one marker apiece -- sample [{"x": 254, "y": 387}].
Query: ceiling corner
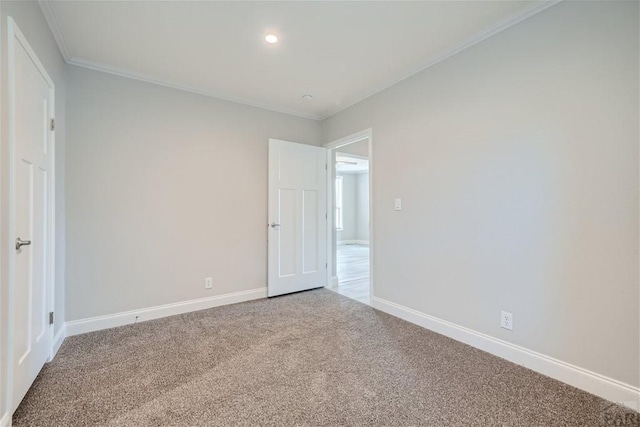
[
  {"x": 536, "y": 7},
  {"x": 79, "y": 62},
  {"x": 52, "y": 20}
]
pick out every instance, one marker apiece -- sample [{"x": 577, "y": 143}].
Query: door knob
[
  {"x": 20, "y": 243},
  {"x": 274, "y": 225}
]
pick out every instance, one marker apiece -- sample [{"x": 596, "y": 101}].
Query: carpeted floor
[{"x": 314, "y": 359}]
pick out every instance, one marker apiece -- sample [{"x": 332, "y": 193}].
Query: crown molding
[
  {"x": 193, "y": 89},
  {"x": 54, "y": 25},
  {"x": 537, "y": 7}
]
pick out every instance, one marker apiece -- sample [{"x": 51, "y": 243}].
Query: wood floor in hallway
[{"x": 353, "y": 272}]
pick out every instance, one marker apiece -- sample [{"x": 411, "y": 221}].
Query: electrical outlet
[
  {"x": 208, "y": 283},
  {"x": 506, "y": 320}
]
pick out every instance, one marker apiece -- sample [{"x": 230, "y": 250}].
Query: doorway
[{"x": 350, "y": 231}]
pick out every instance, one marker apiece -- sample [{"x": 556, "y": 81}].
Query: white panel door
[
  {"x": 31, "y": 110},
  {"x": 297, "y": 217}
]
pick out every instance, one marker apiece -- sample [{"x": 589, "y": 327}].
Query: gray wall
[
  {"x": 29, "y": 18},
  {"x": 349, "y": 216},
  {"x": 362, "y": 207},
  {"x": 164, "y": 189},
  {"x": 360, "y": 148},
  {"x": 355, "y": 217},
  {"x": 517, "y": 163}
]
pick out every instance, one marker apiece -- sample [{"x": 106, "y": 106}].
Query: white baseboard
[
  {"x": 58, "y": 339},
  {"x": 600, "y": 385},
  {"x": 5, "y": 421},
  {"x": 333, "y": 281},
  {"x": 353, "y": 242},
  {"x": 82, "y": 326}
]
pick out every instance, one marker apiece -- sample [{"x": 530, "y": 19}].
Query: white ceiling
[{"x": 340, "y": 52}]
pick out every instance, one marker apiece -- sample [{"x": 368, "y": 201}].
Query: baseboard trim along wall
[
  {"x": 82, "y": 326},
  {"x": 58, "y": 339},
  {"x": 591, "y": 382},
  {"x": 5, "y": 421}
]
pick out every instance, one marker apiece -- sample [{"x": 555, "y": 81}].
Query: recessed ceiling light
[
  {"x": 307, "y": 97},
  {"x": 271, "y": 38}
]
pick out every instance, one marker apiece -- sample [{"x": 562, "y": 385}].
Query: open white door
[
  {"x": 31, "y": 108},
  {"x": 297, "y": 217}
]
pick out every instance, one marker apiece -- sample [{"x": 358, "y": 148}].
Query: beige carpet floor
[{"x": 310, "y": 359}]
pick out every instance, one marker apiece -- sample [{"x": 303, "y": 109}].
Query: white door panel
[
  {"x": 31, "y": 109},
  {"x": 297, "y": 217}
]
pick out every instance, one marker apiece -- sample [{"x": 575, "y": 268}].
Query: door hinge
[
  {"x": 51, "y": 317},
  {"x": 325, "y": 167},
  {"x": 326, "y": 265},
  {"x": 53, "y": 124}
]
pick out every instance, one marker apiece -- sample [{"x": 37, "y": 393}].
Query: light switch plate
[{"x": 398, "y": 204}]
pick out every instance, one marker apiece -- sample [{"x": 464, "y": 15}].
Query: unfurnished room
[{"x": 319, "y": 213}]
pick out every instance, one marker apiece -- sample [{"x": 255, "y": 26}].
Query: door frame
[
  {"x": 16, "y": 36},
  {"x": 331, "y": 174}
]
